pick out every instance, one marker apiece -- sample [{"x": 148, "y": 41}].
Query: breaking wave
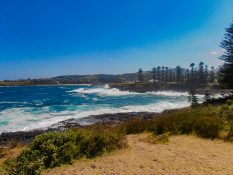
[
  {"x": 24, "y": 119},
  {"x": 103, "y": 91},
  {"x": 169, "y": 93},
  {"x": 107, "y": 91}
]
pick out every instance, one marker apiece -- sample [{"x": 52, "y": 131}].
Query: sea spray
[{"x": 41, "y": 107}]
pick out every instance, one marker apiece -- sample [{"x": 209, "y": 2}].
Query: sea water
[{"x": 32, "y": 107}]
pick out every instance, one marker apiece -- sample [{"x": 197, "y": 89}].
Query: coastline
[
  {"x": 26, "y": 137},
  {"x": 25, "y": 85},
  {"x": 156, "y": 87}
]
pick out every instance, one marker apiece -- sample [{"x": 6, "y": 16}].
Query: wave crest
[
  {"x": 22, "y": 119},
  {"x": 103, "y": 91}
]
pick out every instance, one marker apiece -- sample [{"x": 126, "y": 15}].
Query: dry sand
[{"x": 186, "y": 155}]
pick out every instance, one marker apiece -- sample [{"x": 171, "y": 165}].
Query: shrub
[
  {"x": 207, "y": 127},
  {"x": 135, "y": 126},
  {"x": 53, "y": 149},
  {"x": 1, "y": 152},
  {"x": 204, "y": 123},
  {"x": 160, "y": 139},
  {"x": 230, "y": 134}
]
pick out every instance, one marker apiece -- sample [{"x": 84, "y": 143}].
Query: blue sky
[{"x": 46, "y": 38}]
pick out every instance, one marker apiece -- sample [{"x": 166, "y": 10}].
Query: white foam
[
  {"x": 169, "y": 93},
  {"x": 22, "y": 119},
  {"x": 12, "y": 102},
  {"x": 95, "y": 99},
  {"x": 107, "y": 91},
  {"x": 103, "y": 91}
]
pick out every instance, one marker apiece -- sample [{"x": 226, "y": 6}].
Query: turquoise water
[{"x": 30, "y": 107}]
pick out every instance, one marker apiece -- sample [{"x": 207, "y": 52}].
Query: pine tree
[
  {"x": 154, "y": 74},
  {"x": 166, "y": 76},
  {"x": 192, "y": 71},
  {"x": 163, "y": 70},
  {"x": 158, "y": 73},
  {"x": 227, "y": 68},
  {"x": 178, "y": 74},
  {"x": 140, "y": 76},
  {"x": 187, "y": 78},
  {"x": 212, "y": 76},
  {"x": 206, "y": 74},
  {"x": 192, "y": 98},
  {"x": 201, "y": 72},
  {"x": 170, "y": 75}
]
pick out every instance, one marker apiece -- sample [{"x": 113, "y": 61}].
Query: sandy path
[{"x": 182, "y": 155}]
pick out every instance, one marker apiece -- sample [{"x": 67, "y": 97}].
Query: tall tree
[
  {"x": 158, "y": 73},
  {"x": 192, "y": 98},
  {"x": 140, "y": 76},
  {"x": 166, "y": 74},
  {"x": 212, "y": 76},
  {"x": 201, "y": 72},
  {"x": 187, "y": 77},
  {"x": 154, "y": 71},
  {"x": 170, "y": 75},
  {"x": 206, "y": 74},
  {"x": 163, "y": 70},
  {"x": 227, "y": 57},
  {"x": 178, "y": 74},
  {"x": 196, "y": 76},
  {"x": 192, "y": 71}
]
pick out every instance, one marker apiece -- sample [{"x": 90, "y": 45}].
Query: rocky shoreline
[
  {"x": 26, "y": 137},
  {"x": 155, "y": 87}
]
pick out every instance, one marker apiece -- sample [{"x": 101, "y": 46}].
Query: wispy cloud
[
  {"x": 214, "y": 53},
  {"x": 217, "y": 52}
]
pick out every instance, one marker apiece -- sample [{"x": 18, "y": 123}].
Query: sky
[{"x": 47, "y": 38}]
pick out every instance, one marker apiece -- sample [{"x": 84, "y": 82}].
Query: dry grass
[
  {"x": 7, "y": 154},
  {"x": 187, "y": 155},
  {"x": 11, "y": 153}
]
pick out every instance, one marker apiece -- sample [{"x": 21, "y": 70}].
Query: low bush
[
  {"x": 53, "y": 149},
  {"x": 134, "y": 127},
  {"x": 1, "y": 152},
  {"x": 200, "y": 122},
  {"x": 230, "y": 134},
  {"x": 160, "y": 139}
]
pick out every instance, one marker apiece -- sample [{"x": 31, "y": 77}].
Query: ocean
[{"x": 33, "y": 107}]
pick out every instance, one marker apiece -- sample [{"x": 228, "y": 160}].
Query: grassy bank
[{"x": 54, "y": 149}]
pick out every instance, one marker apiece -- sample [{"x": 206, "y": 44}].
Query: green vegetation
[
  {"x": 204, "y": 121},
  {"x": 140, "y": 76},
  {"x": 1, "y": 152},
  {"x": 227, "y": 57},
  {"x": 192, "y": 98},
  {"x": 56, "y": 148},
  {"x": 183, "y": 77}
]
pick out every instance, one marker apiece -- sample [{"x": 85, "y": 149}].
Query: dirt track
[{"x": 186, "y": 155}]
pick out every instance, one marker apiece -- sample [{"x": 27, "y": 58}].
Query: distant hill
[
  {"x": 103, "y": 78},
  {"x": 84, "y": 79},
  {"x": 99, "y": 78}
]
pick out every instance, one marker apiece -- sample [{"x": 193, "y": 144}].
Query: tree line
[
  {"x": 200, "y": 75},
  {"x": 194, "y": 75}
]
